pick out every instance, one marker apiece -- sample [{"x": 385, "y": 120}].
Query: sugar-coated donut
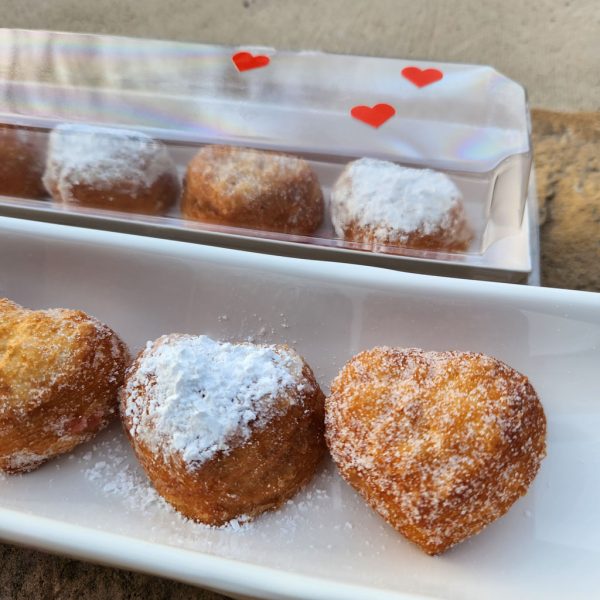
[
  {"x": 22, "y": 157},
  {"x": 60, "y": 371},
  {"x": 116, "y": 169},
  {"x": 440, "y": 444},
  {"x": 254, "y": 189},
  {"x": 380, "y": 203},
  {"x": 223, "y": 430}
]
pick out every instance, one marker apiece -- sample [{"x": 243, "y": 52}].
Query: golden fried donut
[
  {"x": 440, "y": 444},
  {"x": 60, "y": 371},
  {"x": 223, "y": 430},
  {"x": 380, "y": 203},
  {"x": 114, "y": 169},
  {"x": 250, "y": 188},
  {"x": 22, "y": 156}
]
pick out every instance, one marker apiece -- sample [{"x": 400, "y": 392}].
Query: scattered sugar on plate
[
  {"x": 116, "y": 477},
  {"x": 126, "y": 503}
]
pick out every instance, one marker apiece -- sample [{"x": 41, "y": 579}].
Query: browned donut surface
[
  {"x": 113, "y": 169},
  {"x": 223, "y": 430},
  {"x": 60, "y": 371},
  {"x": 440, "y": 444},
  {"x": 255, "y": 189},
  {"x": 22, "y": 156}
]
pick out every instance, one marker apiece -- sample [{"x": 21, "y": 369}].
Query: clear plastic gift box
[{"x": 470, "y": 122}]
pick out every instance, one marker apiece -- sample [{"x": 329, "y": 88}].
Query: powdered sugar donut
[
  {"x": 377, "y": 202},
  {"x": 114, "y": 169},
  {"x": 60, "y": 371},
  {"x": 251, "y": 188},
  {"x": 440, "y": 444},
  {"x": 221, "y": 429}
]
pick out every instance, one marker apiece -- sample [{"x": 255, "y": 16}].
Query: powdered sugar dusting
[
  {"x": 102, "y": 157},
  {"x": 392, "y": 202},
  {"x": 193, "y": 396}
]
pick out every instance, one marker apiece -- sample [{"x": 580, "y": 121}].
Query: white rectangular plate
[{"x": 325, "y": 544}]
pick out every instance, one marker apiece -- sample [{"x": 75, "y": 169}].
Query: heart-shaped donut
[{"x": 440, "y": 444}]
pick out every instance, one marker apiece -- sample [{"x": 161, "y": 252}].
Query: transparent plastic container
[{"x": 472, "y": 124}]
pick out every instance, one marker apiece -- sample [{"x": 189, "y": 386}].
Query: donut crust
[
  {"x": 440, "y": 444},
  {"x": 22, "y": 158},
  {"x": 60, "y": 371},
  {"x": 254, "y": 189},
  {"x": 254, "y": 476}
]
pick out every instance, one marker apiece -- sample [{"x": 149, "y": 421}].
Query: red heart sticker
[
  {"x": 375, "y": 116},
  {"x": 244, "y": 61},
  {"x": 422, "y": 77}
]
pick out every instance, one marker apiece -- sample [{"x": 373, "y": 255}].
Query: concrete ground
[{"x": 551, "y": 46}]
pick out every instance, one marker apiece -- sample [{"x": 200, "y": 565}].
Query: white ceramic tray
[{"x": 325, "y": 544}]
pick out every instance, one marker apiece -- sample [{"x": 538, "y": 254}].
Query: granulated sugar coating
[
  {"x": 379, "y": 202},
  {"x": 60, "y": 371},
  {"x": 251, "y": 173},
  {"x": 252, "y": 188},
  {"x": 439, "y": 443}
]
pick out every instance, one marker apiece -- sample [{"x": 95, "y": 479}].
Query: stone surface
[
  {"x": 552, "y": 47},
  {"x": 567, "y": 159},
  {"x": 30, "y": 575}
]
